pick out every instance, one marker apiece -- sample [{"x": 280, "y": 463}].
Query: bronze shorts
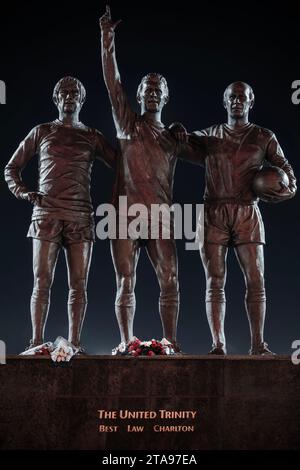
[
  {"x": 233, "y": 224},
  {"x": 62, "y": 231},
  {"x": 147, "y": 230}
]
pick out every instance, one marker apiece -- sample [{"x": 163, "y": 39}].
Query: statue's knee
[
  {"x": 216, "y": 282},
  {"x": 215, "y": 289},
  {"x": 77, "y": 296},
  {"x": 125, "y": 296},
  {"x": 255, "y": 288},
  {"x": 169, "y": 283},
  {"x": 78, "y": 284},
  {"x": 126, "y": 283},
  {"x": 41, "y": 291},
  {"x": 42, "y": 282},
  {"x": 255, "y": 282}
]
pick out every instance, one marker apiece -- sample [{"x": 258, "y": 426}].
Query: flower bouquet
[
  {"x": 44, "y": 349},
  {"x": 63, "y": 350},
  {"x": 59, "y": 351},
  {"x": 136, "y": 347}
]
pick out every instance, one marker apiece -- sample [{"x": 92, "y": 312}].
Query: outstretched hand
[
  {"x": 179, "y": 132},
  {"x": 172, "y": 135},
  {"x": 106, "y": 21}
]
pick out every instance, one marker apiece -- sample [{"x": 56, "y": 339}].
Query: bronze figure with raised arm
[{"x": 145, "y": 173}]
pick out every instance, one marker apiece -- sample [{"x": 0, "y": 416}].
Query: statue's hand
[
  {"x": 286, "y": 192},
  {"x": 33, "y": 196},
  {"x": 281, "y": 195},
  {"x": 179, "y": 132},
  {"x": 106, "y": 22}
]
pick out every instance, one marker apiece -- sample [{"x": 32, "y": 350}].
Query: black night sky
[{"x": 200, "y": 53}]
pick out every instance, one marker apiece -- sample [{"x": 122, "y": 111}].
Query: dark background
[{"x": 200, "y": 51}]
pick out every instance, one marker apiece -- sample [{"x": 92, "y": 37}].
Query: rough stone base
[{"x": 241, "y": 402}]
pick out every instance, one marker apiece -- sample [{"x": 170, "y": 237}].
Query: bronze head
[
  {"x": 238, "y": 99},
  {"x": 153, "y": 92},
  {"x": 69, "y": 95}
]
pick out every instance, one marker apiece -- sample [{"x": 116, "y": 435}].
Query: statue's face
[
  {"x": 69, "y": 98},
  {"x": 237, "y": 101},
  {"x": 152, "y": 95}
]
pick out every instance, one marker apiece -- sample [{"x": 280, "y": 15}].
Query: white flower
[
  {"x": 63, "y": 351},
  {"x": 119, "y": 349},
  {"x": 165, "y": 342}
]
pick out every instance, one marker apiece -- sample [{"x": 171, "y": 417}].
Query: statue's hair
[
  {"x": 67, "y": 80},
  {"x": 154, "y": 76},
  {"x": 251, "y": 93}
]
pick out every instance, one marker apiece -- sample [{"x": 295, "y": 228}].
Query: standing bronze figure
[
  {"x": 62, "y": 208},
  {"x": 232, "y": 154},
  {"x": 149, "y": 153}
]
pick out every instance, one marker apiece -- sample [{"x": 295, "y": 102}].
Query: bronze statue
[
  {"x": 62, "y": 208},
  {"x": 232, "y": 154},
  {"x": 145, "y": 172}
]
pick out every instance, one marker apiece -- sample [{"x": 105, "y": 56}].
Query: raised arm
[
  {"x": 13, "y": 170},
  {"x": 275, "y": 156},
  {"x": 122, "y": 113}
]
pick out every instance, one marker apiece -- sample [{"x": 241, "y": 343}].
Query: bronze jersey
[
  {"x": 66, "y": 155},
  {"x": 233, "y": 157},
  {"x": 146, "y": 166}
]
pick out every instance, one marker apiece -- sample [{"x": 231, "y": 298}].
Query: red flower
[
  {"x": 134, "y": 344},
  {"x": 43, "y": 352},
  {"x": 147, "y": 348}
]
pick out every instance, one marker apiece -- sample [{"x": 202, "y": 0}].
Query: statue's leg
[
  {"x": 78, "y": 259},
  {"x": 251, "y": 260},
  {"x": 125, "y": 255},
  {"x": 45, "y": 255},
  {"x": 214, "y": 262},
  {"x": 163, "y": 256}
]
